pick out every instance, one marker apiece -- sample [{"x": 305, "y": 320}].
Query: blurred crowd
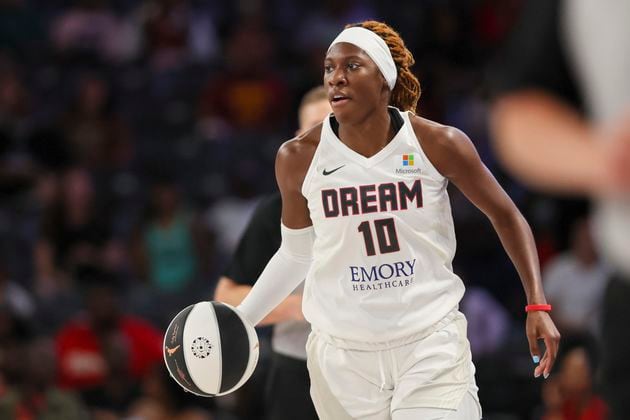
[{"x": 135, "y": 139}]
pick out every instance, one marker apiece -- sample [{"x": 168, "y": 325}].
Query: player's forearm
[
  {"x": 273, "y": 287},
  {"x": 518, "y": 241},
  {"x": 283, "y": 273},
  {"x": 545, "y": 144},
  {"x": 233, "y": 293},
  {"x": 230, "y": 292}
]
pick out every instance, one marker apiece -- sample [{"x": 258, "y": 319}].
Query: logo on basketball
[
  {"x": 172, "y": 351},
  {"x": 174, "y": 334},
  {"x": 201, "y": 347}
]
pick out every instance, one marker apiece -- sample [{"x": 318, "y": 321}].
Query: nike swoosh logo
[{"x": 325, "y": 172}]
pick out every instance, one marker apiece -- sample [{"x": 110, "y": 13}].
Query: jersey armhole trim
[{"x": 434, "y": 171}]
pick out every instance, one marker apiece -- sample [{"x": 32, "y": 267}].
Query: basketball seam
[{"x": 219, "y": 350}]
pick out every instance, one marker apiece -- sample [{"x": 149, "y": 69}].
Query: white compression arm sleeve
[{"x": 283, "y": 273}]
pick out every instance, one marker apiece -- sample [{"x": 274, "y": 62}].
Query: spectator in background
[
  {"x": 177, "y": 34},
  {"x": 81, "y": 343},
  {"x": 31, "y": 393},
  {"x": 163, "y": 399},
  {"x": 489, "y": 322},
  {"x": 75, "y": 231},
  {"x": 114, "y": 397},
  {"x": 575, "y": 283},
  {"x": 551, "y": 407},
  {"x": 13, "y": 296},
  {"x": 492, "y": 20},
  {"x": 166, "y": 32},
  {"x": 570, "y": 394},
  {"x": 91, "y": 31},
  {"x": 575, "y": 377},
  {"x": 170, "y": 255},
  {"x": 249, "y": 95},
  {"x": 169, "y": 247},
  {"x": 94, "y": 132},
  {"x": 27, "y": 374},
  {"x": 14, "y": 107},
  {"x": 561, "y": 123},
  {"x": 13, "y": 331}
]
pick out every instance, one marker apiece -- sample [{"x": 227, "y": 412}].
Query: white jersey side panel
[{"x": 384, "y": 240}]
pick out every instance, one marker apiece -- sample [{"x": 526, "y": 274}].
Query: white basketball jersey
[{"x": 384, "y": 240}]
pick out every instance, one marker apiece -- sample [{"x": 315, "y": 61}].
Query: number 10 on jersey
[{"x": 385, "y": 236}]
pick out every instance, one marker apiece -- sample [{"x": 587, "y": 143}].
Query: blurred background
[{"x": 136, "y": 138}]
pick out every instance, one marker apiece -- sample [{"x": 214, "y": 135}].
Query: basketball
[{"x": 210, "y": 349}]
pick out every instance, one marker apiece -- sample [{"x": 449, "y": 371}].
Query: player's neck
[{"x": 369, "y": 136}]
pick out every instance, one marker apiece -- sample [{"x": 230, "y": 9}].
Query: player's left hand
[{"x": 540, "y": 326}]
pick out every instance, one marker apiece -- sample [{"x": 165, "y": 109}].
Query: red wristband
[{"x": 538, "y": 307}]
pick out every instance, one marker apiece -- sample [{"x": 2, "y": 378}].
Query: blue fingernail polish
[{"x": 536, "y": 359}]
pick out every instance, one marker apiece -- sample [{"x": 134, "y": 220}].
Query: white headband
[{"x": 374, "y": 46}]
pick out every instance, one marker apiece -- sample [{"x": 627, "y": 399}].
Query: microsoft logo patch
[{"x": 407, "y": 160}]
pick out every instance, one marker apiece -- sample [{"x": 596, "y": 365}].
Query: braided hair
[{"x": 406, "y": 92}]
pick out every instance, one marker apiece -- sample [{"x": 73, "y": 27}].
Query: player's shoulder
[
  {"x": 434, "y": 134},
  {"x": 297, "y": 153},
  {"x": 302, "y": 145},
  {"x": 445, "y": 146}
]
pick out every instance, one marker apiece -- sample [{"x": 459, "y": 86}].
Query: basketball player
[
  {"x": 366, "y": 218},
  {"x": 564, "y": 127},
  {"x": 287, "y": 393}
]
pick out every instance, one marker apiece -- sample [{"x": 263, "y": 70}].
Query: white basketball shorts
[{"x": 428, "y": 375}]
